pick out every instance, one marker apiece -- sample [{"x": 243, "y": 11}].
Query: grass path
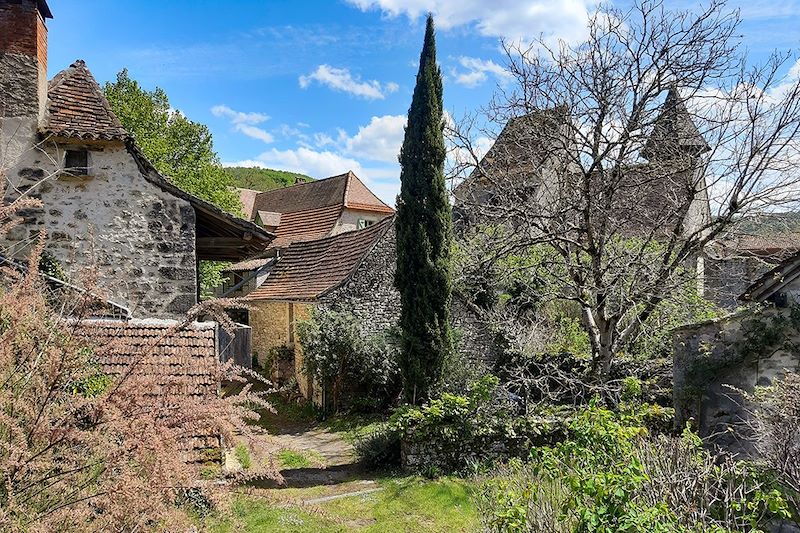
[{"x": 325, "y": 490}]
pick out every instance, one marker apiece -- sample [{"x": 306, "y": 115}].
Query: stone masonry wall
[
  {"x": 23, "y": 59},
  {"x": 710, "y": 357},
  {"x": 140, "y": 239},
  {"x": 369, "y": 294}
]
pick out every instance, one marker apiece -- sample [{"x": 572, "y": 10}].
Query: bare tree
[{"x": 626, "y": 154}]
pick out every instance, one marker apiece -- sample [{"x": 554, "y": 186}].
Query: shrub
[
  {"x": 452, "y": 432},
  {"x": 379, "y": 448},
  {"x": 84, "y": 451},
  {"x": 609, "y": 475},
  {"x": 345, "y": 362}
]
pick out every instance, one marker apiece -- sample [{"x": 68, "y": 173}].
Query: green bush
[
  {"x": 347, "y": 364},
  {"x": 453, "y": 432},
  {"x": 609, "y": 475},
  {"x": 379, "y": 449}
]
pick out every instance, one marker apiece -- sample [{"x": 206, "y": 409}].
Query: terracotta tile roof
[
  {"x": 183, "y": 361},
  {"x": 310, "y": 210},
  {"x": 342, "y": 190},
  {"x": 77, "y": 108},
  {"x": 249, "y": 264},
  {"x": 308, "y": 270},
  {"x": 306, "y": 225}
]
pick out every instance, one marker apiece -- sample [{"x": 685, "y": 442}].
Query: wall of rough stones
[
  {"x": 140, "y": 239},
  {"x": 369, "y": 295},
  {"x": 711, "y": 357}
]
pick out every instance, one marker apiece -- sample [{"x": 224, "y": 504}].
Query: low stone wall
[{"x": 713, "y": 359}]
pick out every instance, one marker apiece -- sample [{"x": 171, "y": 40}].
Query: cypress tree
[{"x": 424, "y": 230}]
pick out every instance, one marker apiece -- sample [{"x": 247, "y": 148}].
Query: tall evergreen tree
[{"x": 424, "y": 230}]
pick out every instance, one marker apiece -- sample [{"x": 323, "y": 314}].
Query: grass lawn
[{"x": 404, "y": 504}]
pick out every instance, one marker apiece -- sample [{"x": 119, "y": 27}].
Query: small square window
[
  {"x": 76, "y": 162},
  {"x": 364, "y": 223}
]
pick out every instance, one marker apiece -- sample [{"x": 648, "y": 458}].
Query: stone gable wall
[
  {"x": 369, "y": 294},
  {"x": 140, "y": 238}
]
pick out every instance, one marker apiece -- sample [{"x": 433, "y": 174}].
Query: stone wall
[
  {"x": 725, "y": 279},
  {"x": 140, "y": 239},
  {"x": 745, "y": 350},
  {"x": 270, "y": 323},
  {"x": 274, "y": 324},
  {"x": 369, "y": 295}
]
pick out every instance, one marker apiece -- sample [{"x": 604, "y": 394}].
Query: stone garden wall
[{"x": 742, "y": 351}]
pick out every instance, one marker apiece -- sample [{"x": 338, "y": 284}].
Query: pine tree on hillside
[{"x": 423, "y": 234}]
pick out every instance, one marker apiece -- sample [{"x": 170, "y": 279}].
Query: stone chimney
[{"x": 23, "y": 58}]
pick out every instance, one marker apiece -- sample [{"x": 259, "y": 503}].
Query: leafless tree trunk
[{"x": 627, "y": 154}]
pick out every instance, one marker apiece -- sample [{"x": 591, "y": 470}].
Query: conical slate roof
[{"x": 674, "y": 132}]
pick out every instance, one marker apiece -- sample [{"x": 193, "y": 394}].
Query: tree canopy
[{"x": 179, "y": 148}]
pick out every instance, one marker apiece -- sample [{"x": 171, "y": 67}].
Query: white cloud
[
  {"x": 340, "y": 79},
  {"x": 244, "y": 122},
  {"x": 511, "y": 19},
  {"x": 477, "y": 71},
  {"x": 377, "y": 142},
  {"x": 380, "y": 140}
]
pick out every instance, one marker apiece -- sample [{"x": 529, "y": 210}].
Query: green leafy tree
[
  {"x": 180, "y": 149},
  {"x": 424, "y": 230}
]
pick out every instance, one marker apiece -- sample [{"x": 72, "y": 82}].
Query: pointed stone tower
[{"x": 675, "y": 135}]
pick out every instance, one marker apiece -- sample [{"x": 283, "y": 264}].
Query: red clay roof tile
[{"x": 307, "y": 270}]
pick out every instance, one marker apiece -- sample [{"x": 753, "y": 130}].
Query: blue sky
[{"x": 322, "y": 87}]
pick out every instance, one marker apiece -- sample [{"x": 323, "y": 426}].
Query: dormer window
[
  {"x": 365, "y": 223},
  {"x": 76, "y": 162}
]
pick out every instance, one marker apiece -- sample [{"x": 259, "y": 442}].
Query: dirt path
[{"x": 334, "y": 468}]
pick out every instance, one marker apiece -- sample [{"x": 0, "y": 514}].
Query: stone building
[
  {"x": 314, "y": 209},
  {"x": 750, "y": 348},
  {"x": 104, "y": 205},
  {"x": 752, "y": 246},
  {"x": 351, "y": 272},
  {"x": 107, "y": 211},
  {"x": 531, "y": 168},
  {"x": 302, "y": 212}
]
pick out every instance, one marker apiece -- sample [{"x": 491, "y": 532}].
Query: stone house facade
[
  {"x": 713, "y": 360},
  {"x": 302, "y": 212},
  {"x": 105, "y": 208},
  {"x": 351, "y": 272},
  {"x": 314, "y": 209}
]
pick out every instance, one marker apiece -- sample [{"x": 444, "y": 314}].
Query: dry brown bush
[{"x": 80, "y": 451}]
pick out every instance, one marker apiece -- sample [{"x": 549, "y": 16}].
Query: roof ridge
[
  {"x": 312, "y": 182},
  {"x": 347, "y": 186}
]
